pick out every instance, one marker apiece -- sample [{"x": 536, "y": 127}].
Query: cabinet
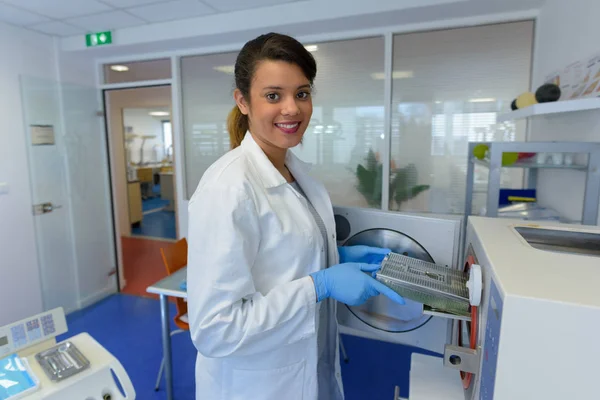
[
  {"x": 134, "y": 194},
  {"x": 167, "y": 189}
]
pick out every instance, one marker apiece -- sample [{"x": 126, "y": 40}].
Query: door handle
[{"x": 44, "y": 208}]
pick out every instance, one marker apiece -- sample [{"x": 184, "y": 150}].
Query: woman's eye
[
  {"x": 303, "y": 95},
  {"x": 272, "y": 97}
]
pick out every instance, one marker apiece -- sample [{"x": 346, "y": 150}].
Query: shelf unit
[
  {"x": 494, "y": 164},
  {"x": 552, "y": 108},
  {"x": 530, "y": 165}
]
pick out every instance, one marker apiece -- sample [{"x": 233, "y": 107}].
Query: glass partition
[
  {"x": 137, "y": 71},
  {"x": 448, "y": 88},
  {"x": 207, "y": 97},
  {"x": 345, "y": 137}
]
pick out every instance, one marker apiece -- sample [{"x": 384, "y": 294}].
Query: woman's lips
[{"x": 288, "y": 127}]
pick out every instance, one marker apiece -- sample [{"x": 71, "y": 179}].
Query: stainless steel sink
[{"x": 560, "y": 241}]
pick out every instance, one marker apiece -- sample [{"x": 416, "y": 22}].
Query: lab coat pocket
[{"x": 272, "y": 384}]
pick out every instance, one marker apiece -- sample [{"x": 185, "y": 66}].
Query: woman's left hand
[{"x": 362, "y": 254}]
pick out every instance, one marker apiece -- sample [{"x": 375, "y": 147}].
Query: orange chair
[{"x": 175, "y": 257}]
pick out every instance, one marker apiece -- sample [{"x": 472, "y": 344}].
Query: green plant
[{"x": 403, "y": 181}]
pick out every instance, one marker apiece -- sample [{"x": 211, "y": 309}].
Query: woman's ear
[{"x": 241, "y": 101}]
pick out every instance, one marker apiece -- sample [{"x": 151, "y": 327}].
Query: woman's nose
[{"x": 290, "y": 107}]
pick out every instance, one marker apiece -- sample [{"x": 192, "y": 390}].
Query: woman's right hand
[{"x": 348, "y": 283}]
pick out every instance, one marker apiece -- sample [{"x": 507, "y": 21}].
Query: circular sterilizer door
[{"x": 379, "y": 312}]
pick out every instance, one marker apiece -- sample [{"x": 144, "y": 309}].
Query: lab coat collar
[{"x": 269, "y": 175}]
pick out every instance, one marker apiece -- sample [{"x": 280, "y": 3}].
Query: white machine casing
[
  {"x": 95, "y": 383},
  {"x": 539, "y": 320},
  {"x": 104, "y": 378},
  {"x": 432, "y": 238}
]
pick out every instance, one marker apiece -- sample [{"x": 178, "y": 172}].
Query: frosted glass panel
[
  {"x": 449, "y": 87},
  {"x": 85, "y": 145},
  {"x": 348, "y": 120},
  {"x": 207, "y": 84},
  {"x": 138, "y": 71}
]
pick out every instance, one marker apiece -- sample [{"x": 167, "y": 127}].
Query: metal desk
[{"x": 165, "y": 288}]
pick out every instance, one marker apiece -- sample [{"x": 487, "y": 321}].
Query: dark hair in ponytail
[
  {"x": 270, "y": 46},
  {"x": 237, "y": 125}
]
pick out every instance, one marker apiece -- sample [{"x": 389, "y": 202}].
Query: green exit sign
[{"x": 98, "y": 39}]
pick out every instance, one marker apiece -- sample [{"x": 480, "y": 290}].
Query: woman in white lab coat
[{"x": 264, "y": 270}]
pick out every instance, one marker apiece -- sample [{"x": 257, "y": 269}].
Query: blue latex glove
[
  {"x": 348, "y": 283},
  {"x": 362, "y": 254}
]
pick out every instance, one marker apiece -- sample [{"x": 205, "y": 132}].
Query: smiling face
[{"x": 280, "y": 106}]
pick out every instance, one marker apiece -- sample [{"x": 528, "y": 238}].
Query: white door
[
  {"x": 69, "y": 189},
  {"x": 54, "y": 236}
]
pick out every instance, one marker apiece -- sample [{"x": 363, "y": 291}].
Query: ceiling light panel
[
  {"x": 235, "y": 5},
  {"x": 106, "y": 21},
  {"x": 482, "y": 100},
  {"x": 119, "y": 68},
  {"x": 61, "y": 9},
  {"x": 17, "y": 16},
  {"x": 228, "y": 69},
  {"x": 395, "y": 75},
  {"x": 57, "y": 28},
  {"x": 171, "y": 11},
  {"x": 131, "y": 3}
]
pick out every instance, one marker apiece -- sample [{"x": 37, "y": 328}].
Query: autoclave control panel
[{"x": 30, "y": 331}]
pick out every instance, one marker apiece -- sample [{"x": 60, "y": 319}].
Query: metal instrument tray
[
  {"x": 436, "y": 286},
  {"x": 62, "y": 361}
]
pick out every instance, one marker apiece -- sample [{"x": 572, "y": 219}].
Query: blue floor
[
  {"x": 129, "y": 327},
  {"x": 156, "y": 221},
  {"x": 153, "y": 203}
]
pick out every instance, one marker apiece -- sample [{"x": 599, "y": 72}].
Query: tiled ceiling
[{"x": 73, "y": 17}]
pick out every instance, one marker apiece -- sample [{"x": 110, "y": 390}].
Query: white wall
[
  {"x": 567, "y": 32},
  {"x": 20, "y": 291},
  {"x": 35, "y": 55}
]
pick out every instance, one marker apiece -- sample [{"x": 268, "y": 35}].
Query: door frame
[{"x": 104, "y": 89}]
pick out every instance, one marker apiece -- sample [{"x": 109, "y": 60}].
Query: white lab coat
[{"x": 251, "y": 304}]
